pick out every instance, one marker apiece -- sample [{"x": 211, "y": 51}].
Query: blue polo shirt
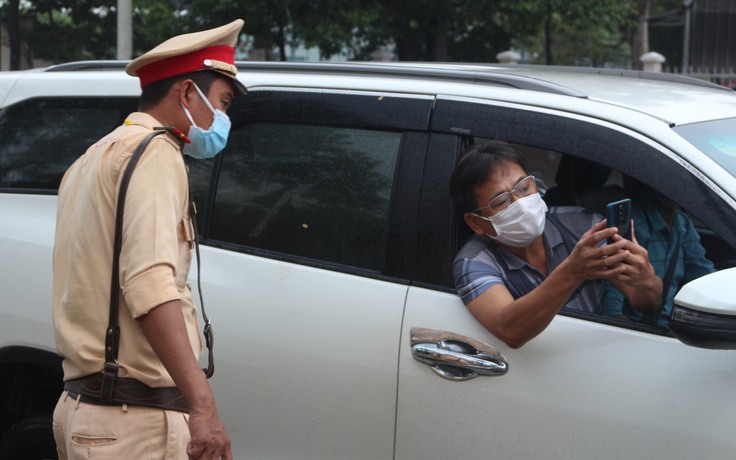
[{"x": 481, "y": 263}]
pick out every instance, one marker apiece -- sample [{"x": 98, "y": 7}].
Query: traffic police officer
[{"x": 162, "y": 404}]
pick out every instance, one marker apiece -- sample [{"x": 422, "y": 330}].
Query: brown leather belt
[{"x": 127, "y": 391}]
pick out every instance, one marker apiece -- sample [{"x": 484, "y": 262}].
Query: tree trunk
[
  {"x": 640, "y": 42},
  {"x": 282, "y": 43},
  {"x": 14, "y": 34},
  {"x": 548, "y": 58},
  {"x": 405, "y": 46},
  {"x": 440, "y": 40}
]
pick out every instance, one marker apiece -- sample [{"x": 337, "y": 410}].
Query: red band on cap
[{"x": 190, "y": 62}]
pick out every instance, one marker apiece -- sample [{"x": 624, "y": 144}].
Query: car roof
[{"x": 676, "y": 99}]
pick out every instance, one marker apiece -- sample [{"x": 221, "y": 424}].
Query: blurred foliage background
[{"x": 598, "y": 33}]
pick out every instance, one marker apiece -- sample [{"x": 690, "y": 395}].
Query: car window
[
  {"x": 581, "y": 162},
  {"x": 42, "y": 137},
  {"x": 680, "y": 248},
  {"x": 316, "y": 192}
]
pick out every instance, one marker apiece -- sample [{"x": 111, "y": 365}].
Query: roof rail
[
  {"x": 423, "y": 70},
  {"x": 415, "y": 70},
  {"x": 87, "y": 65},
  {"x": 476, "y": 72},
  {"x": 656, "y": 76}
]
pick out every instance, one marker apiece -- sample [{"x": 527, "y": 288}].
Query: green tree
[
  {"x": 269, "y": 22},
  {"x": 559, "y": 31},
  {"x": 64, "y": 31},
  {"x": 340, "y": 26},
  {"x": 450, "y": 30},
  {"x": 581, "y": 32}
]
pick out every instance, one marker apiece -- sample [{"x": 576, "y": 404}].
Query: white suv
[{"x": 328, "y": 234}]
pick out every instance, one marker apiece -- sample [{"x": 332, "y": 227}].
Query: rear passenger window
[
  {"x": 42, "y": 137},
  {"x": 317, "y": 192}
]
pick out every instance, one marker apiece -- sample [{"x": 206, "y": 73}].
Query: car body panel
[
  {"x": 578, "y": 390},
  {"x": 26, "y": 238},
  {"x": 86, "y": 84},
  {"x": 305, "y": 354}
]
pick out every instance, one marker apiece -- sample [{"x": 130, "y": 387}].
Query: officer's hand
[{"x": 210, "y": 440}]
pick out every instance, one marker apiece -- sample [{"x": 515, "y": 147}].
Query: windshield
[{"x": 717, "y": 139}]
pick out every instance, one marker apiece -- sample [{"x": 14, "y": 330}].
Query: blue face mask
[{"x": 206, "y": 143}]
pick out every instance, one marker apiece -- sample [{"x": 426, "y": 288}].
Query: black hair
[
  {"x": 475, "y": 167},
  {"x": 154, "y": 92}
]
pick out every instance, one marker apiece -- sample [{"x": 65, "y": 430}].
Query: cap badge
[{"x": 219, "y": 65}]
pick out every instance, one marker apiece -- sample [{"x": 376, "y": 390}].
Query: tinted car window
[
  {"x": 309, "y": 191},
  {"x": 42, "y": 137}
]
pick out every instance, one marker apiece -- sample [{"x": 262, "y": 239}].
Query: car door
[
  {"x": 303, "y": 222},
  {"x": 588, "y": 386},
  {"x": 42, "y": 136}
]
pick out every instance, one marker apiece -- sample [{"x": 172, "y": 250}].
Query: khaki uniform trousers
[{"x": 86, "y": 431}]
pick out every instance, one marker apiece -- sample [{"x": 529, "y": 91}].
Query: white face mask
[{"x": 520, "y": 223}]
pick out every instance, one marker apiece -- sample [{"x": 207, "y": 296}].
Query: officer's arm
[{"x": 166, "y": 331}]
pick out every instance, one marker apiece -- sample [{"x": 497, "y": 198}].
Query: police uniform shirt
[{"x": 154, "y": 261}]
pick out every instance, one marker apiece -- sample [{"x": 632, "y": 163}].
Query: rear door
[
  {"x": 304, "y": 219},
  {"x": 42, "y": 136},
  {"x": 586, "y": 387}
]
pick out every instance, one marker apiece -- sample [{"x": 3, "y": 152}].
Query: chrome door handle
[{"x": 456, "y": 357}]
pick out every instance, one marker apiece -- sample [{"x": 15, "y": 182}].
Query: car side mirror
[{"x": 704, "y": 312}]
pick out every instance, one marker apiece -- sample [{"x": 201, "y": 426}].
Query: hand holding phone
[{"x": 618, "y": 215}]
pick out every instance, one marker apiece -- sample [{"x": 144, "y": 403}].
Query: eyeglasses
[{"x": 498, "y": 203}]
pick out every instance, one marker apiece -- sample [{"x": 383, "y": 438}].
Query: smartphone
[{"x": 618, "y": 215}]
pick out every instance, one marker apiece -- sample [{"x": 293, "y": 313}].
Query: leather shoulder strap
[{"x": 112, "y": 334}]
